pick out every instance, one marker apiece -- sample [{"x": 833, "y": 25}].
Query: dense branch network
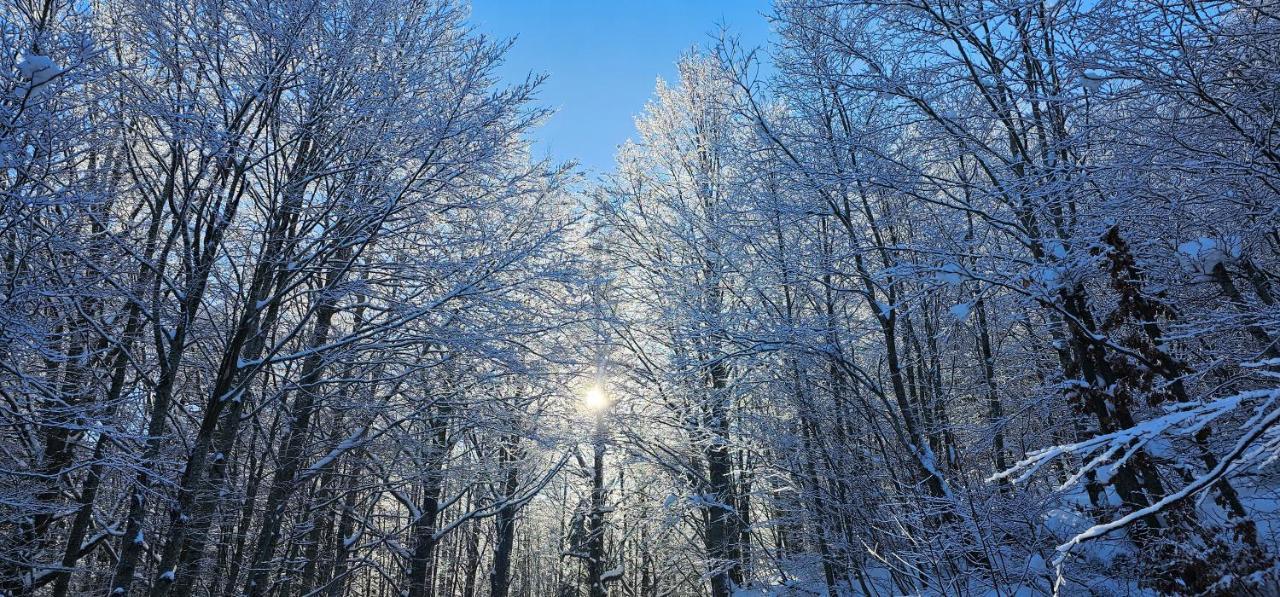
[{"x": 949, "y": 298}]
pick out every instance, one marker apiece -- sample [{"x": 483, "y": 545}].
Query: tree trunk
[
  {"x": 505, "y": 523},
  {"x": 422, "y": 561},
  {"x": 291, "y": 456}
]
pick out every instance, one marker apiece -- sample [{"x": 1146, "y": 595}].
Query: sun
[{"x": 594, "y": 399}]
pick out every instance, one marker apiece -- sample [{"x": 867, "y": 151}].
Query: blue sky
[{"x": 603, "y": 57}]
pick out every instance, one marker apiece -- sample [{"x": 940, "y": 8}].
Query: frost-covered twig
[{"x": 1185, "y": 421}]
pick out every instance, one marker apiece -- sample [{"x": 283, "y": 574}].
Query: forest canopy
[{"x": 928, "y": 297}]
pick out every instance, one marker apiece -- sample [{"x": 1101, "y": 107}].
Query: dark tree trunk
[
  {"x": 422, "y": 561},
  {"x": 505, "y": 523}
]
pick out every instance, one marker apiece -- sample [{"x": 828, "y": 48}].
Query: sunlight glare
[{"x": 594, "y": 399}]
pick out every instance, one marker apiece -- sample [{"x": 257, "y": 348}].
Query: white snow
[
  {"x": 961, "y": 311},
  {"x": 1048, "y": 276},
  {"x": 950, "y": 273},
  {"x": 1056, "y": 248},
  {"x": 1045, "y": 278},
  {"x": 1092, "y": 79},
  {"x": 38, "y": 70},
  {"x": 1204, "y": 254},
  {"x": 347, "y": 444},
  {"x": 612, "y": 574},
  {"x": 708, "y": 501}
]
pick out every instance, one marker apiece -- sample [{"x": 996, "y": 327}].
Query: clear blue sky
[{"x": 603, "y": 58}]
